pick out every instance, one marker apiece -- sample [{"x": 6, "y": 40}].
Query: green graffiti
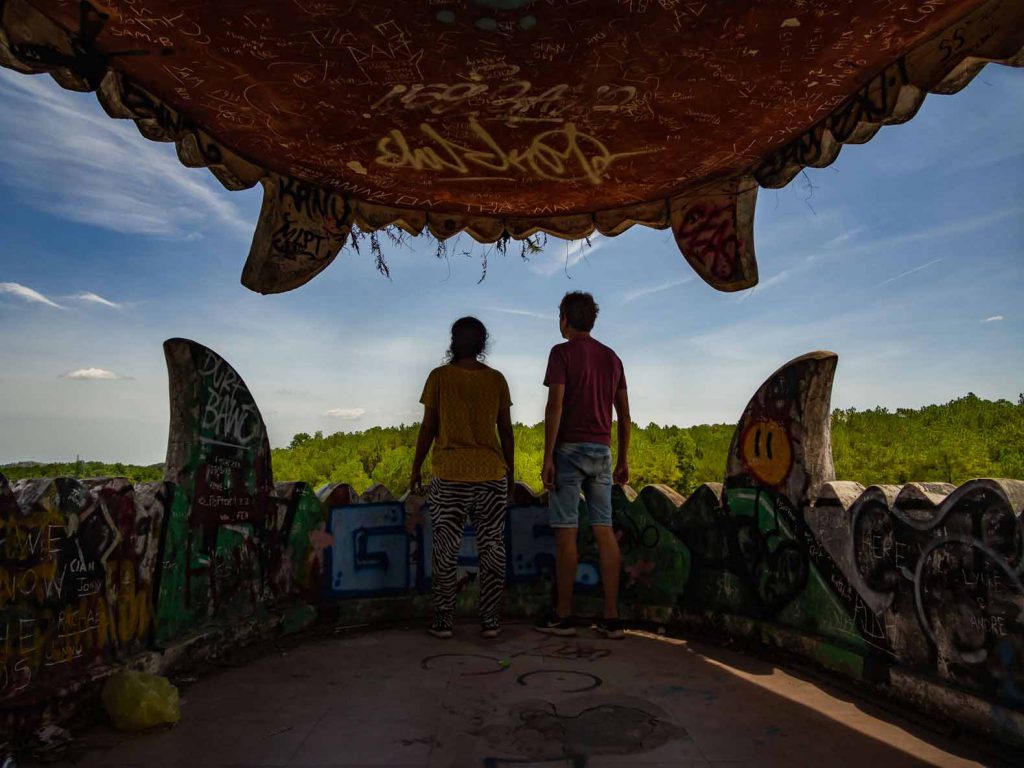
[
  {"x": 655, "y": 564},
  {"x": 782, "y": 582},
  {"x": 217, "y": 541},
  {"x": 308, "y": 518}
]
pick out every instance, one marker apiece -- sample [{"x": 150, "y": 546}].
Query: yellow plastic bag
[{"x": 137, "y": 700}]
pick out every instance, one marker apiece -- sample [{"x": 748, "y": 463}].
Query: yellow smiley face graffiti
[{"x": 766, "y": 451}]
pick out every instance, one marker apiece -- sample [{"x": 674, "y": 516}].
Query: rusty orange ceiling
[{"x": 508, "y": 117}]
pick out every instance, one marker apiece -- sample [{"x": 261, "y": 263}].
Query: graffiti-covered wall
[
  {"x": 917, "y": 588},
  {"x": 923, "y": 577},
  {"x": 378, "y": 546},
  {"x": 234, "y": 541},
  {"x": 218, "y": 457},
  {"x": 77, "y": 577},
  {"x": 95, "y": 572}
]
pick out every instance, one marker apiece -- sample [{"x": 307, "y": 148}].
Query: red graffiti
[{"x": 707, "y": 237}]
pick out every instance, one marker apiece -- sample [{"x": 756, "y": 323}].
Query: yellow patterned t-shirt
[{"x": 467, "y": 400}]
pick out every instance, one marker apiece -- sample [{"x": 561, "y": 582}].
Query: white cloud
[
  {"x": 28, "y": 294},
  {"x": 92, "y": 374},
  {"x": 778, "y": 277},
  {"x": 93, "y": 298},
  {"x": 842, "y": 238},
  {"x": 942, "y": 231},
  {"x": 993, "y": 319},
  {"x": 639, "y": 292},
  {"x": 959, "y": 227},
  {"x": 909, "y": 272},
  {"x": 970, "y": 149},
  {"x": 345, "y": 413},
  {"x": 66, "y": 157},
  {"x": 859, "y": 242},
  {"x": 559, "y": 256},
  {"x": 523, "y": 313},
  {"x": 793, "y": 233}
]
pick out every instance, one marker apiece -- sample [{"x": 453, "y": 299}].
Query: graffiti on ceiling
[{"x": 505, "y": 118}]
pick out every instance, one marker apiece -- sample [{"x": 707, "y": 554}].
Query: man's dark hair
[
  {"x": 469, "y": 339},
  {"x": 579, "y": 309}
]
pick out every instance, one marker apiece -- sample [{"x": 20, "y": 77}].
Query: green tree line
[
  {"x": 134, "y": 472},
  {"x": 962, "y": 439}
]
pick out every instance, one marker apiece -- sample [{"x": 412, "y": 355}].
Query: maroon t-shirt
[{"x": 592, "y": 374}]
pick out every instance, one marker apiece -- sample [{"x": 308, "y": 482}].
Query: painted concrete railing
[
  {"x": 379, "y": 546},
  {"x": 95, "y": 572},
  {"x": 917, "y": 589}
]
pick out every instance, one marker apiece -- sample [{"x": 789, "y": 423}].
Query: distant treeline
[
  {"x": 134, "y": 472},
  {"x": 965, "y": 438}
]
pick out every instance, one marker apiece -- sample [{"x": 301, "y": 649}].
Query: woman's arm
[
  {"x": 428, "y": 431},
  {"x": 508, "y": 443}
]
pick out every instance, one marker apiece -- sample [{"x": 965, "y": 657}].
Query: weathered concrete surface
[
  {"x": 234, "y": 542},
  {"x": 783, "y": 442},
  {"x": 400, "y": 697}
]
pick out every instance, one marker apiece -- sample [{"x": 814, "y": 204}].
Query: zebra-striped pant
[{"x": 485, "y": 503}]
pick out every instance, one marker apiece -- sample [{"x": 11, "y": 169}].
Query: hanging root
[{"x": 528, "y": 246}]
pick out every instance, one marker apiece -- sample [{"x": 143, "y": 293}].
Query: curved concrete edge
[
  {"x": 959, "y": 706},
  {"x": 783, "y": 441},
  {"x": 905, "y": 688}
]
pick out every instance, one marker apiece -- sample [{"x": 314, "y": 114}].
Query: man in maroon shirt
[{"x": 584, "y": 379}]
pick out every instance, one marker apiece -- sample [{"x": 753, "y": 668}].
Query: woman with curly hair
[{"x": 467, "y": 418}]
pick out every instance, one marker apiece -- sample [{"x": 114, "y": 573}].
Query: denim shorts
[{"x": 586, "y": 466}]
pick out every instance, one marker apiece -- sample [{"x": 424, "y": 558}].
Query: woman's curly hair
[{"x": 469, "y": 339}]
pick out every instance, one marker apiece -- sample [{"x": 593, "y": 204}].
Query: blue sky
[{"x": 907, "y": 259}]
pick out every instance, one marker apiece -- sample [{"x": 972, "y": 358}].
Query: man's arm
[
  {"x": 428, "y": 431},
  {"x": 508, "y": 444},
  {"x": 621, "y": 474},
  {"x": 552, "y": 420}
]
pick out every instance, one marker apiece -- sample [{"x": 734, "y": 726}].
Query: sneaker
[
  {"x": 441, "y": 626},
  {"x": 490, "y": 628},
  {"x": 610, "y": 628},
  {"x": 553, "y": 624}
]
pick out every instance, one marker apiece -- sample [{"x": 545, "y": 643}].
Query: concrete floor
[{"x": 401, "y": 697}]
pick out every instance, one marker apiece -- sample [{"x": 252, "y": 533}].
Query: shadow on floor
[{"x": 400, "y": 697}]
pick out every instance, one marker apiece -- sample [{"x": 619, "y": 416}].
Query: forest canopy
[{"x": 962, "y": 439}]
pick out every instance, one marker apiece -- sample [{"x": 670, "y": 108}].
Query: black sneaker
[
  {"x": 441, "y": 626},
  {"x": 490, "y": 628},
  {"x": 610, "y": 628},
  {"x": 553, "y": 624}
]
